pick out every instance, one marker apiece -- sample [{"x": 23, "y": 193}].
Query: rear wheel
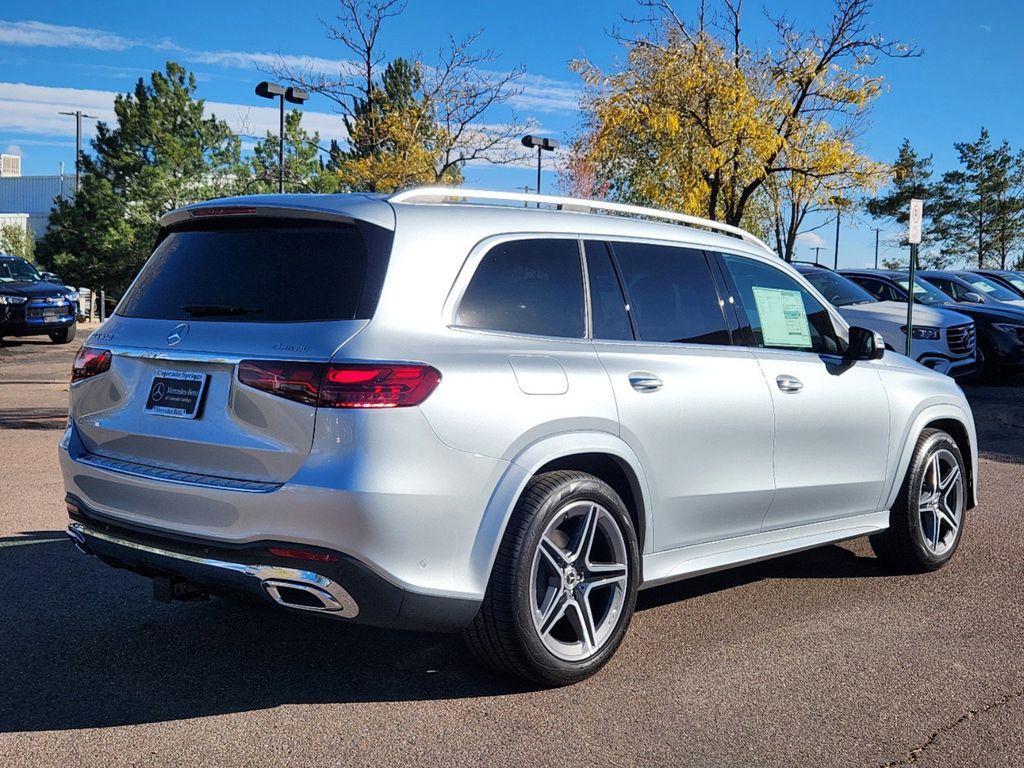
[
  {"x": 927, "y": 521},
  {"x": 64, "y": 335},
  {"x": 564, "y": 583}
]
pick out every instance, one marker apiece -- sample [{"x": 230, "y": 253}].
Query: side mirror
[
  {"x": 864, "y": 345},
  {"x": 973, "y": 298}
]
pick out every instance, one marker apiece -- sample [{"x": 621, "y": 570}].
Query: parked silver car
[{"x": 442, "y": 410}]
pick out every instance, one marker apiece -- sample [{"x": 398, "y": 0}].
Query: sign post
[{"x": 914, "y": 238}]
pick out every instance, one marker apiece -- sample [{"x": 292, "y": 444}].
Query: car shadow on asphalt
[{"x": 84, "y": 646}]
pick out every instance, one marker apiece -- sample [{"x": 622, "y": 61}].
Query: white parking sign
[{"x": 914, "y": 225}]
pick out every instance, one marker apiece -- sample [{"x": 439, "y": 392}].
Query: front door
[{"x": 831, "y": 418}]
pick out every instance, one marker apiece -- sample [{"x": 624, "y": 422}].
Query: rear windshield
[{"x": 260, "y": 271}]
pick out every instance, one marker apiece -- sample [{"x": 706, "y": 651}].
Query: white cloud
[
  {"x": 539, "y": 93},
  {"x": 34, "y": 109},
  {"x": 811, "y": 239},
  {"x": 984, "y": 27},
  {"x": 41, "y": 34},
  {"x": 13, "y": 149}
]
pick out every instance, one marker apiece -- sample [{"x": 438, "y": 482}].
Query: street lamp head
[
  {"x": 540, "y": 142},
  {"x": 296, "y": 95},
  {"x": 270, "y": 90}
]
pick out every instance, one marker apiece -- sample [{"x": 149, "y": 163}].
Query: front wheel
[
  {"x": 927, "y": 521},
  {"x": 563, "y": 586},
  {"x": 64, "y": 335}
]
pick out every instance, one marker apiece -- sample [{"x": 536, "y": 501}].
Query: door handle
[
  {"x": 644, "y": 382},
  {"x": 789, "y": 383}
]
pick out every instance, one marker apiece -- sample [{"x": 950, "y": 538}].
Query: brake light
[
  {"x": 90, "y": 362},
  {"x": 377, "y": 386},
  {"x": 361, "y": 385}
]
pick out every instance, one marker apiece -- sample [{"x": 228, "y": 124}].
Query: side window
[
  {"x": 671, "y": 294},
  {"x": 953, "y": 289},
  {"x": 527, "y": 286},
  {"x": 608, "y": 313},
  {"x": 781, "y": 313}
]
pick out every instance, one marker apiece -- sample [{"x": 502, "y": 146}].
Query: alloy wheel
[
  {"x": 579, "y": 581},
  {"x": 941, "y": 502}
]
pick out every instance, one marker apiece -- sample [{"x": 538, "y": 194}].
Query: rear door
[
  {"x": 215, "y": 292},
  {"x": 693, "y": 407},
  {"x": 831, "y": 419}
]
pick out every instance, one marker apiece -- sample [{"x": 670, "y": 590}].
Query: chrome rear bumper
[{"x": 283, "y": 585}]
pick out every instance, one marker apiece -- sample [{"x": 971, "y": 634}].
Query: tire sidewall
[
  {"x": 934, "y": 443},
  {"x": 590, "y": 489}
]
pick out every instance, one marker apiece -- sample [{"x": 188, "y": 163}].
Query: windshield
[
  {"x": 990, "y": 288},
  {"x": 924, "y": 292},
  {"x": 18, "y": 271},
  {"x": 838, "y": 290},
  {"x": 1016, "y": 281}
]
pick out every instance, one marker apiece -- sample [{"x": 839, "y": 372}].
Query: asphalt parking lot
[{"x": 816, "y": 659}]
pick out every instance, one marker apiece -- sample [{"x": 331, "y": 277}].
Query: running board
[{"x": 685, "y": 562}]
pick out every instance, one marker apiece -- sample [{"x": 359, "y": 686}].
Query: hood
[
  {"x": 40, "y": 290},
  {"x": 896, "y": 312},
  {"x": 993, "y": 312}
]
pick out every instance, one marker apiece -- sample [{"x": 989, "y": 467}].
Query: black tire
[
  {"x": 903, "y": 546},
  {"x": 64, "y": 335},
  {"x": 503, "y": 634}
]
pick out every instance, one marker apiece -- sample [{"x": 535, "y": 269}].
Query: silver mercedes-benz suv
[{"x": 443, "y": 410}]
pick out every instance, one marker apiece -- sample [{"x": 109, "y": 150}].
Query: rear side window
[
  {"x": 608, "y": 313},
  {"x": 671, "y": 294},
  {"x": 781, "y": 313},
  {"x": 262, "y": 271},
  {"x": 527, "y": 286}
]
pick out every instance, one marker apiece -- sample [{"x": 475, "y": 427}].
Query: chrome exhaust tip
[
  {"x": 307, "y": 597},
  {"x": 76, "y": 535}
]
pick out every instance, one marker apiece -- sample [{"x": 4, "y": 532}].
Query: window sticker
[
  {"x": 983, "y": 287},
  {"x": 783, "y": 317}
]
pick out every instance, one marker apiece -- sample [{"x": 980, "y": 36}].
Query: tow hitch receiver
[{"x": 165, "y": 590}]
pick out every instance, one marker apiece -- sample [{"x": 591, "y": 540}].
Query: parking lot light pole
[
  {"x": 292, "y": 95},
  {"x": 542, "y": 144},
  {"x": 78, "y": 115}
]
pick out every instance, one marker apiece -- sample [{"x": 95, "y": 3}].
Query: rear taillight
[
  {"x": 362, "y": 385},
  {"x": 294, "y": 381},
  {"x": 89, "y": 362},
  {"x": 377, "y": 386}
]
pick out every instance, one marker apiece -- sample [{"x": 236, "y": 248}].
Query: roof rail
[{"x": 454, "y": 194}]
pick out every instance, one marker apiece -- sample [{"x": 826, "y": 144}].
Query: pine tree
[
  {"x": 162, "y": 153},
  {"x": 911, "y": 178},
  {"x": 979, "y": 205},
  {"x": 304, "y": 171}
]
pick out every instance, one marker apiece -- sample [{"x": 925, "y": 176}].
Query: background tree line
[{"x": 765, "y": 134}]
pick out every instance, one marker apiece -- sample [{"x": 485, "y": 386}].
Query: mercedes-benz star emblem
[
  {"x": 180, "y": 332},
  {"x": 158, "y": 392}
]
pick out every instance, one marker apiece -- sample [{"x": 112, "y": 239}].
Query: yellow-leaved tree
[{"x": 700, "y": 122}]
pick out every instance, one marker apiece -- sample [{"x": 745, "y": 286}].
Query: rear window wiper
[{"x": 218, "y": 310}]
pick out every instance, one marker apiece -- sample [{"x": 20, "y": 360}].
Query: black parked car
[
  {"x": 971, "y": 287},
  {"x": 31, "y": 306},
  {"x": 1012, "y": 279},
  {"x": 1000, "y": 327}
]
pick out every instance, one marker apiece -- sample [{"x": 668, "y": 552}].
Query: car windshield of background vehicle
[
  {"x": 925, "y": 293},
  {"x": 992, "y": 288},
  {"x": 18, "y": 271},
  {"x": 1016, "y": 281},
  {"x": 838, "y": 290}
]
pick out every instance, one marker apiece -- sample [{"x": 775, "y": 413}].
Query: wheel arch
[
  {"x": 601, "y": 454},
  {"x": 950, "y": 418}
]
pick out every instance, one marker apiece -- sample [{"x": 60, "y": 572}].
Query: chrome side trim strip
[
  {"x": 148, "y": 472},
  {"x": 341, "y": 603}
]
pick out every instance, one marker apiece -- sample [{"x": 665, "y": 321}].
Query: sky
[{"x": 60, "y": 56}]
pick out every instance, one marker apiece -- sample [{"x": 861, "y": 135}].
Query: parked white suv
[
  {"x": 443, "y": 410},
  {"x": 943, "y": 340}
]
